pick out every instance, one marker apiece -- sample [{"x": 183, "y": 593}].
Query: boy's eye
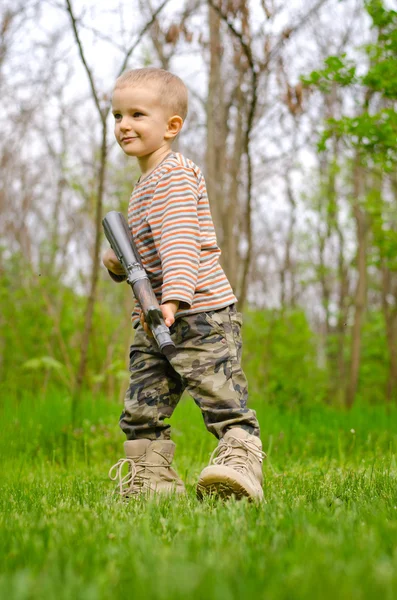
[
  {"x": 137, "y": 114},
  {"x": 117, "y": 116}
]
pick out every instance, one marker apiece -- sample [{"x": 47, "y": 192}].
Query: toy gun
[{"x": 120, "y": 239}]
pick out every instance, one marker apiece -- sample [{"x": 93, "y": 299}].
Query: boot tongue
[
  {"x": 160, "y": 452},
  {"x": 236, "y": 432},
  {"x": 241, "y": 434},
  {"x": 135, "y": 448},
  {"x": 241, "y": 450}
]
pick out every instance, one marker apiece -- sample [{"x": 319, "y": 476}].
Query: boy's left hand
[{"x": 168, "y": 309}]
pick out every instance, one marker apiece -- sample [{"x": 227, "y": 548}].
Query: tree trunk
[
  {"x": 246, "y": 41},
  {"x": 216, "y": 138},
  {"x": 390, "y": 316},
  {"x": 361, "y": 289},
  {"x": 231, "y": 211},
  {"x": 343, "y": 278},
  {"x": 95, "y": 269},
  {"x": 288, "y": 292}
]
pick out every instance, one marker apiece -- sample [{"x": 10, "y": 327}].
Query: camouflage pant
[{"x": 206, "y": 364}]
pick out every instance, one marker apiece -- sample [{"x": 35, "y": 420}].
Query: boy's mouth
[{"x": 129, "y": 138}]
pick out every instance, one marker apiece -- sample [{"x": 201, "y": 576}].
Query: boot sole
[
  {"x": 223, "y": 490},
  {"x": 224, "y": 483}
]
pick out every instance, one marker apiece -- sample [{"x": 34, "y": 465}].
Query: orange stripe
[
  {"x": 173, "y": 184},
  {"x": 169, "y": 177},
  {"x": 183, "y": 219},
  {"x": 180, "y": 237},
  {"x": 181, "y": 263},
  {"x": 179, "y": 252},
  {"x": 171, "y": 254},
  {"x": 217, "y": 280}
]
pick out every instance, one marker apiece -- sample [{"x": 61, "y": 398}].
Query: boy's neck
[{"x": 148, "y": 163}]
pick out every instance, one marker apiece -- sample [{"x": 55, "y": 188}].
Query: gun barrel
[{"x": 120, "y": 239}]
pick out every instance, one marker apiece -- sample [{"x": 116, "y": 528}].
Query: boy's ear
[{"x": 174, "y": 126}]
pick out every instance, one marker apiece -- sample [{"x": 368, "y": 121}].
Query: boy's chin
[{"x": 130, "y": 152}]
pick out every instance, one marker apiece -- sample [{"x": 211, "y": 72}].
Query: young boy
[{"x": 170, "y": 220}]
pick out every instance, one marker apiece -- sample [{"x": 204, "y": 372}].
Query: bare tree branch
[
  {"x": 255, "y": 67},
  {"x": 288, "y": 32},
  {"x": 104, "y": 112},
  {"x": 103, "y": 36},
  {"x": 142, "y": 33},
  {"x": 83, "y": 60}
]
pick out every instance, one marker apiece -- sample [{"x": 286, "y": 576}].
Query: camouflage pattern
[{"x": 207, "y": 365}]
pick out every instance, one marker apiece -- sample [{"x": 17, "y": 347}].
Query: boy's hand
[
  {"x": 112, "y": 263},
  {"x": 168, "y": 309}
]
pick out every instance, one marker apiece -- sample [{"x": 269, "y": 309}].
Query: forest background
[{"x": 293, "y": 119}]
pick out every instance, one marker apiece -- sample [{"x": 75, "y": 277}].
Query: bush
[{"x": 280, "y": 358}]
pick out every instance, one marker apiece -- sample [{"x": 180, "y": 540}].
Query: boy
[{"x": 170, "y": 220}]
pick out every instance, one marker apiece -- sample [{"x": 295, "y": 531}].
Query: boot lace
[
  {"x": 133, "y": 481},
  {"x": 136, "y": 480},
  {"x": 224, "y": 454}
]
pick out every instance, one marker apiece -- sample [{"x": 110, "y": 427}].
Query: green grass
[{"x": 327, "y": 530}]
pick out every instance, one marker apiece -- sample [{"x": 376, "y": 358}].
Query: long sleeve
[
  {"x": 170, "y": 219},
  {"x": 174, "y": 221}
]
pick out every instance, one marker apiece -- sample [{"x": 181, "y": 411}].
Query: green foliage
[
  {"x": 45, "y": 365},
  {"x": 43, "y": 362},
  {"x": 373, "y": 135},
  {"x": 386, "y": 22},
  {"x": 280, "y": 358},
  {"x": 40, "y": 331},
  {"x": 280, "y": 351},
  {"x": 374, "y": 360},
  {"x": 26, "y": 326},
  {"x": 364, "y": 141},
  {"x": 338, "y": 70},
  {"x": 383, "y": 227},
  {"x": 382, "y": 78}
]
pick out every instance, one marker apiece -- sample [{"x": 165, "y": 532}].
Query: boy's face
[{"x": 141, "y": 122}]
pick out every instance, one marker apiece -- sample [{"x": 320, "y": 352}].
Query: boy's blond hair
[{"x": 172, "y": 91}]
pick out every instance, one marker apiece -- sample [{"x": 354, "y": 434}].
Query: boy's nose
[{"x": 125, "y": 125}]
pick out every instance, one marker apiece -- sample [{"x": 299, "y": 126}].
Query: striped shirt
[{"x": 170, "y": 219}]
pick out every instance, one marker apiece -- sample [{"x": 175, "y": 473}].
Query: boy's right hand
[{"x": 112, "y": 263}]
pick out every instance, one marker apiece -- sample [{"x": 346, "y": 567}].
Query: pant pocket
[
  {"x": 216, "y": 322},
  {"x": 236, "y": 321}
]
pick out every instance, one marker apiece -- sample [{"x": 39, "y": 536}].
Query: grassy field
[{"x": 327, "y": 530}]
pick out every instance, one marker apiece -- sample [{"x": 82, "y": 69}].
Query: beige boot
[
  {"x": 132, "y": 482},
  {"x": 160, "y": 477},
  {"x": 235, "y": 467},
  {"x": 149, "y": 469}
]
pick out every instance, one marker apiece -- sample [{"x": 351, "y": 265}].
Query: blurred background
[{"x": 293, "y": 119}]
